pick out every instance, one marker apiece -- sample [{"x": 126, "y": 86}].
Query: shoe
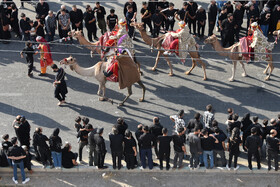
[
  {"x": 30, "y": 75},
  {"x": 51, "y": 166},
  {"x": 141, "y": 168},
  {"x": 96, "y": 38},
  {"x": 236, "y": 168},
  {"x": 161, "y": 168},
  {"x": 26, "y": 180},
  {"x": 15, "y": 181},
  {"x": 228, "y": 167},
  {"x": 59, "y": 103},
  {"x": 250, "y": 169},
  {"x": 44, "y": 166},
  {"x": 41, "y": 74},
  {"x": 105, "y": 167},
  {"x": 166, "y": 53}
]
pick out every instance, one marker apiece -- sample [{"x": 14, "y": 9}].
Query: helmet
[
  {"x": 182, "y": 24},
  {"x": 122, "y": 22}
]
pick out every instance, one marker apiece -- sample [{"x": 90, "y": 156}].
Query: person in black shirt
[
  {"x": 78, "y": 125},
  {"x": 192, "y": 8},
  {"x": 272, "y": 148},
  {"x": 100, "y": 148},
  {"x": 181, "y": 15},
  {"x": 134, "y": 7},
  {"x": 179, "y": 148},
  {"x": 55, "y": 147},
  {"x": 229, "y": 7},
  {"x": 116, "y": 145},
  {"x": 92, "y": 146},
  {"x": 112, "y": 19},
  {"x": 164, "y": 148},
  {"x": 14, "y": 20},
  {"x": 201, "y": 21},
  {"x": 233, "y": 123},
  {"x": 152, "y": 5},
  {"x": 219, "y": 148},
  {"x": 121, "y": 126},
  {"x": 42, "y": 9},
  {"x": 156, "y": 130},
  {"x": 212, "y": 16},
  {"x": 39, "y": 25},
  {"x": 233, "y": 147},
  {"x": 227, "y": 29},
  {"x": 157, "y": 20},
  {"x": 29, "y": 51},
  {"x": 100, "y": 13},
  {"x": 222, "y": 16},
  {"x": 146, "y": 142},
  {"x": 60, "y": 84},
  {"x": 169, "y": 15},
  {"x": 208, "y": 145},
  {"x": 253, "y": 145},
  {"x": 83, "y": 135},
  {"x": 17, "y": 154},
  {"x": 195, "y": 122},
  {"x": 130, "y": 151},
  {"x": 6, "y": 144},
  {"x": 162, "y": 5},
  {"x": 90, "y": 23},
  {"x": 39, "y": 143},
  {"x": 130, "y": 17},
  {"x": 76, "y": 18},
  {"x": 25, "y": 27},
  {"x": 238, "y": 19},
  {"x": 68, "y": 157},
  {"x": 25, "y": 128},
  {"x": 146, "y": 16}
]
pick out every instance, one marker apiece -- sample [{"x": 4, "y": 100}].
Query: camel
[
  {"x": 97, "y": 72},
  {"x": 83, "y": 41},
  {"x": 234, "y": 54},
  {"x": 157, "y": 43}
]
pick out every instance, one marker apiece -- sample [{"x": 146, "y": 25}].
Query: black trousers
[
  {"x": 91, "y": 32},
  {"x": 272, "y": 155},
  {"x": 237, "y": 31},
  {"x": 100, "y": 159},
  {"x": 228, "y": 38},
  {"x": 82, "y": 144},
  {"x": 130, "y": 161},
  {"x": 29, "y": 64},
  {"x": 131, "y": 31},
  {"x": 15, "y": 27},
  {"x": 211, "y": 27},
  {"x": 192, "y": 23},
  {"x": 156, "y": 31},
  {"x": 149, "y": 23},
  {"x": 115, "y": 156},
  {"x": 169, "y": 25},
  {"x": 230, "y": 160},
  {"x": 45, "y": 155},
  {"x": 92, "y": 156},
  {"x": 200, "y": 28},
  {"x": 166, "y": 155},
  {"x": 80, "y": 28},
  {"x": 257, "y": 156}
]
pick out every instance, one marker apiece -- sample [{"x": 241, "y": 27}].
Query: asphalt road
[{"x": 20, "y": 95}]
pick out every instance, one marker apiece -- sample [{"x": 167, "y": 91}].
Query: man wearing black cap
[
  {"x": 100, "y": 148},
  {"x": 25, "y": 27},
  {"x": 253, "y": 145},
  {"x": 17, "y": 154},
  {"x": 146, "y": 142},
  {"x": 59, "y": 84}
]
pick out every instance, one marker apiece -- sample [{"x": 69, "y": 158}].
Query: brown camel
[
  {"x": 234, "y": 54},
  {"x": 83, "y": 41},
  {"x": 97, "y": 72},
  {"x": 157, "y": 43}
]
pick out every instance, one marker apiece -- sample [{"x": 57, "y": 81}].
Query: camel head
[
  {"x": 277, "y": 33},
  {"x": 138, "y": 26},
  {"x": 68, "y": 61},
  {"x": 75, "y": 34},
  {"x": 211, "y": 39}
]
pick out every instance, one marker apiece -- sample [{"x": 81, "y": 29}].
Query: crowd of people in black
[
  {"x": 206, "y": 140},
  {"x": 158, "y": 15}
]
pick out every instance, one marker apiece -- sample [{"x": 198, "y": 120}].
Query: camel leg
[
  {"x": 266, "y": 69},
  {"x": 129, "y": 89},
  {"x": 138, "y": 65},
  {"x": 233, "y": 71},
  {"x": 243, "y": 67},
  {"x": 170, "y": 65},
  {"x": 99, "y": 89},
  {"x": 193, "y": 66},
  {"x": 143, "y": 90},
  {"x": 270, "y": 63},
  {"x": 203, "y": 66},
  {"x": 102, "y": 96},
  {"x": 156, "y": 63}
]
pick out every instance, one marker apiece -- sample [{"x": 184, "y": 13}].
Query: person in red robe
[{"x": 45, "y": 55}]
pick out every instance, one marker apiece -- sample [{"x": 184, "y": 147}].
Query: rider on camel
[
  {"x": 183, "y": 41},
  {"x": 260, "y": 43}
]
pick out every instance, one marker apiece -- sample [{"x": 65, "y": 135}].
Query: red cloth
[
  {"x": 174, "y": 46},
  {"x": 114, "y": 67},
  {"x": 167, "y": 41}
]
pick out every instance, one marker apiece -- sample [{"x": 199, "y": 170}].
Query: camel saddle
[
  {"x": 167, "y": 41},
  {"x": 128, "y": 72}
]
